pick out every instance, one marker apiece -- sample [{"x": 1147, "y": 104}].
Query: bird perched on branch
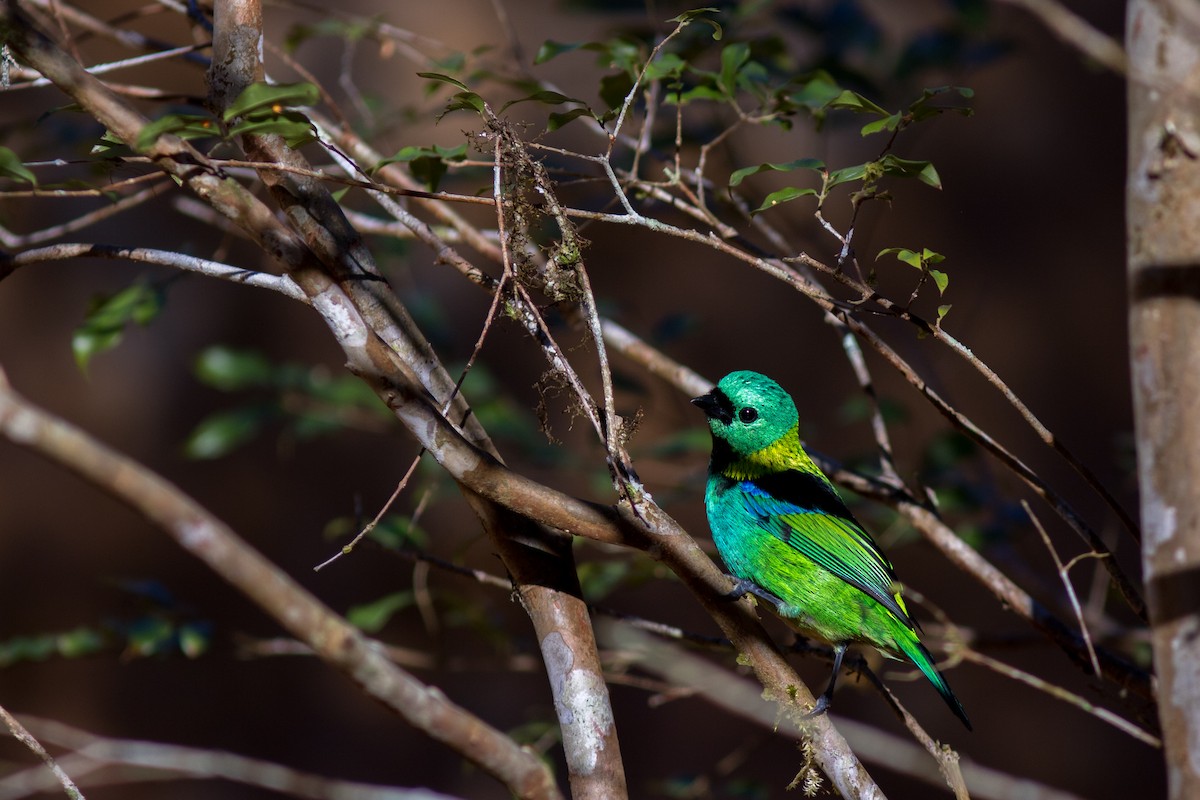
[{"x": 787, "y": 537}]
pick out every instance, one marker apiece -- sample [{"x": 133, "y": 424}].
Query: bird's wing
[{"x": 803, "y": 510}]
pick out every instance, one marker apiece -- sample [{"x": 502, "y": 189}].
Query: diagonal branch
[
  {"x": 26, "y": 738},
  {"x": 329, "y": 635},
  {"x": 540, "y": 561}
]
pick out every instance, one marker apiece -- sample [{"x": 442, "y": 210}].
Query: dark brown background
[{"x": 1030, "y": 220}]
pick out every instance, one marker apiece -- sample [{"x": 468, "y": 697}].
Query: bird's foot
[
  {"x": 745, "y": 586},
  {"x": 820, "y": 708}
]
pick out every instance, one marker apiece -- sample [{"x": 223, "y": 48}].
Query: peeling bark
[{"x": 1163, "y": 198}]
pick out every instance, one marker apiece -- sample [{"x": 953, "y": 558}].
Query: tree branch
[
  {"x": 330, "y": 636},
  {"x": 94, "y": 758},
  {"x": 26, "y": 738}
]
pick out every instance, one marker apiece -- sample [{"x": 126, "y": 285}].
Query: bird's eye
[{"x": 748, "y": 415}]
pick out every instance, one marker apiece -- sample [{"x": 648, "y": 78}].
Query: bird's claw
[
  {"x": 821, "y": 707},
  {"x": 745, "y": 586}
]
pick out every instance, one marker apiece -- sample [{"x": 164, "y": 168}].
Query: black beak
[{"x": 715, "y": 404}]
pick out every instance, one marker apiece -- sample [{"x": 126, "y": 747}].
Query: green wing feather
[{"x": 804, "y": 510}]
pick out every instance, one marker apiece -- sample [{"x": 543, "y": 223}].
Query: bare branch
[
  {"x": 743, "y": 699},
  {"x": 168, "y": 258},
  {"x": 330, "y": 636},
  {"x": 1058, "y": 692},
  {"x": 1077, "y": 32},
  {"x": 91, "y": 755},
  {"x": 27, "y": 739}
]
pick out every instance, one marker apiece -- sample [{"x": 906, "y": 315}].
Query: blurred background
[{"x": 1030, "y": 221}]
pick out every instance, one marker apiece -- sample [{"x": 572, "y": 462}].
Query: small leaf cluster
[
  {"x": 427, "y": 164},
  {"x": 109, "y": 315},
  {"x": 261, "y": 108},
  {"x": 923, "y": 260},
  {"x": 307, "y": 399},
  {"x": 160, "y": 627},
  {"x": 869, "y": 173}
]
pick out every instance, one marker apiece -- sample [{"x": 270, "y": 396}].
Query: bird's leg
[
  {"x": 839, "y": 652},
  {"x": 745, "y": 586}
]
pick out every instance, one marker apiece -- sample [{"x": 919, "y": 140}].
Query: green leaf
[
  {"x": 817, "y": 92},
  {"x": 272, "y": 97},
  {"x": 941, "y": 313},
  {"x": 732, "y": 58},
  {"x": 428, "y": 164},
  {"x": 105, "y": 323},
  {"x": 697, "y": 15},
  {"x": 11, "y": 166},
  {"x": 557, "y": 119},
  {"x": 904, "y": 255},
  {"x": 294, "y": 127},
  {"x": 941, "y": 279},
  {"x": 27, "y": 648},
  {"x": 185, "y": 126},
  {"x": 437, "y": 76},
  {"x": 614, "y": 88},
  {"x": 552, "y": 49},
  {"x": 859, "y": 408},
  {"x": 463, "y": 101},
  {"x": 413, "y": 152},
  {"x": 221, "y": 433},
  {"x": 107, "y": 144},
  {"x": 700, "y": 92},
  {"x": 79, "y": 642},
  {"x": 148, "y": 636},
  {"x": 853, "y": 101},
  {"x": 667, "y": 65},
  {"x": 371, "y": 617},
  {"x": 194, "y": 639},
  {"x": 888, "y": 123},
  {"x": 905, "y": 168},
  {"x": 397, "y": 532},
  {"x": 801, "y": 163},
  {"x": 921, "y": 109},
  {"x": 351, "y": 30},
  {"x": 783, "y": 196},
  {"x": 599, "y": 578},
  {"x": 845, "y": 175},
  {"x": 232, "y": 370},
  {"x": 545, "y": 96}
]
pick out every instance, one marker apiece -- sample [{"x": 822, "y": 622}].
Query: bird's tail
[{"x": 917, "y": 654}]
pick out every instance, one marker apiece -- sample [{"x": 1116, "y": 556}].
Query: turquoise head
[{"x": 747, "y": 412}]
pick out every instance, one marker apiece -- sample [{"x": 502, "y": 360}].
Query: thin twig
[
  {"x": 348, "y": 548},
  {"x": 126, "y": 63},
  {"x": 968, "y": 654},
  {"x": 1063, "y": 574},
  {"x": 854, "y": 354},
  {"x": 27, "y": 739},
  {"x": 14, "y": 240}
]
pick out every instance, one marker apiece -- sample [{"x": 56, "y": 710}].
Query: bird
[{"x": 787, "y": 537}]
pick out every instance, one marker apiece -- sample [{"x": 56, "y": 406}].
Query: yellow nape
[{"x": 784, "y": 454}]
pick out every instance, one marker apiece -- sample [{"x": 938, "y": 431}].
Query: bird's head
[{"x": 748, "y": 412}]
